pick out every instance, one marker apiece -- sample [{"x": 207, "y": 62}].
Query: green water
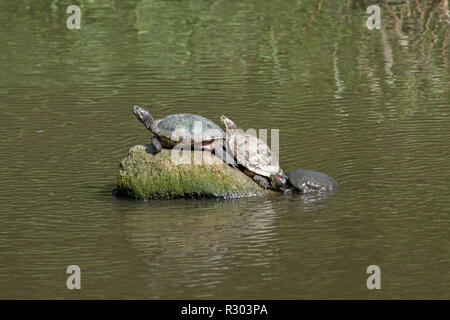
[{"x": 369, "y": 108}]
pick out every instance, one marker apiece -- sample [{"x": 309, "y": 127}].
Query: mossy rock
[{"x": 144, "y": 175}]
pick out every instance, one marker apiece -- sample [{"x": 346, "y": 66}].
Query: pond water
[{"x": 368, "y": 107}]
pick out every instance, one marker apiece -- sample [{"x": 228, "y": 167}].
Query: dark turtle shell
[
  {"x": 311, "y": 181},
  {"x": 184, "y": 126}
]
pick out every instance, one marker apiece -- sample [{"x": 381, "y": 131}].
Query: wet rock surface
[{"x": 146, "y": 175}]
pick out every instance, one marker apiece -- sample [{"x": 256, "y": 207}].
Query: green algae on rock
[{"x": 144, "y": 175}]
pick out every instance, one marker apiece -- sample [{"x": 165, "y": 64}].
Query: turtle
[
  {"x": 176, "y": 128},
  {"x": 255, "y": 157},
  {"x": 306, "y": 181}
]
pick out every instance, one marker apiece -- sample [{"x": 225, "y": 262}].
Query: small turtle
[
  {"x": 307, "y": 181},
  {"x": 176, "y": 128},
  {"x": 255, "y": 156}
]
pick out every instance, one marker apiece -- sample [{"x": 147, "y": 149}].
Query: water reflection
[{"x": 195, "y": 243}]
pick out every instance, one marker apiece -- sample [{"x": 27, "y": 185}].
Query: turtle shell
[
  {"x": 253, "y": 154},
  {"x": 175, "y": 128},
  {"x": 311, "y": 181}
]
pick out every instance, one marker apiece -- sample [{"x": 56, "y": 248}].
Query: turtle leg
[
  {"x": 262, "y": 181},
  {"x": 223, "y": 155},
  {"x": 156, "y": 144},
  {"x": 226, "y": 157}
]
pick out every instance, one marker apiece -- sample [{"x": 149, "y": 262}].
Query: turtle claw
[
  {"x": 157, "y": 145},
  {"x": 263, "y": 182}
]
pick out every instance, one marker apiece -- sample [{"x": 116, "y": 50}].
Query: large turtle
[
  {"x": 306, "y": 181},
  {"x": 178, "y": 128},
  {"x": 255, "y": 156}
]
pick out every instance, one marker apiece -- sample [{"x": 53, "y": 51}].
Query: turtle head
[
  {"x": 229, "y": 125},
  {"x": 279, "y": 181},
  {"x": 143, "y": 116}
]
